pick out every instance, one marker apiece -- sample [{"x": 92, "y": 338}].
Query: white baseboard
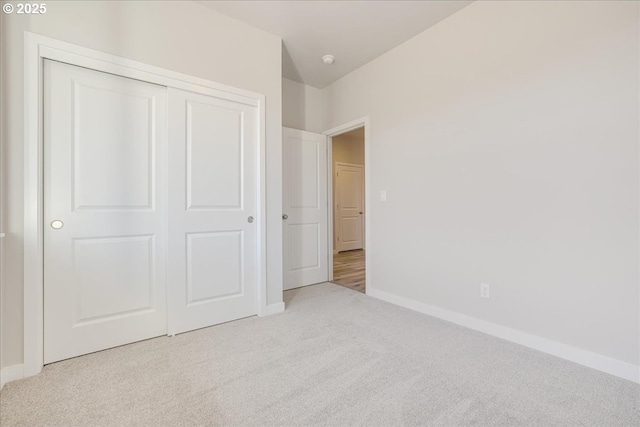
[
  {"x": 602, "y": 363},
  {"x": 11, "y": 373},
  {"x": 273, "y": 309}
]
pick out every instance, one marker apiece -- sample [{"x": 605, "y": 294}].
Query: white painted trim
[
  {"x": 262, "y": 209},
  {"x": 273, "y": 309},
  {"x": 90, "y": 58},
  {"x": 36, "y": 49},
  {"x": 33, "y": 207},
  {"x": 11, "y": 373},
  {"x": 349, "y": 126},
  {"x": 587, "y": 358},
  {"x": 346, "y": 127},
  {"x": 330, "y": 246}
]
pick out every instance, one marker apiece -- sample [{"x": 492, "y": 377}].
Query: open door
[{"x": 305, "y": 217}]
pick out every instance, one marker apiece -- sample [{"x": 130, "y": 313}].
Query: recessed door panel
[
  {"x": 309, "y": 256},
  {"x": 114, "y": 276},
  {"x": 351, "y": 230},
  {"x": 104, "y": 210},
  {"x": 214, "y": 156},
  {"x": 214, "y": 266},
  {"x": 305, "y": 208},
  {"x": 350, "y": 188},
  {"x": 304, "y": 161},
  {"x": 112, "y": 131}
]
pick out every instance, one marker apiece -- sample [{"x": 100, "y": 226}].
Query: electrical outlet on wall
[
  {"x": 383, "y": 196},
  {"x": 484, "y": 290}
]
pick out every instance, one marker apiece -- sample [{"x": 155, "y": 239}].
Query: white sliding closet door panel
[
  {"x": 304, "y": 199},
  {"x": 104, "y": 210},
  {"x": 213, "y": 167}
]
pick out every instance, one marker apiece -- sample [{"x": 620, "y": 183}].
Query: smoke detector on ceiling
[{"x": 328, "y": 59}]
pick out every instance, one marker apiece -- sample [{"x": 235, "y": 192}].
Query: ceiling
[{"x": 355, "y": 32}]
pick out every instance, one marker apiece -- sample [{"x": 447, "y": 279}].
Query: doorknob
[
  {"x": 360, "y": 212},
  {"x": 250, "y": 219},
  {"x": 56, "y": 224},
  {"x": 285, "y": 216}
]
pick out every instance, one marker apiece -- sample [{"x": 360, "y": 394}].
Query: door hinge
[{"x": 338, "y": 238}]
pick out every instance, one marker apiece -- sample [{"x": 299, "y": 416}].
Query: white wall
[
  {"x": 303, "y": 107},
  {"x": 506, "y": 137},
  {"x": 348, "y": 148},
  {"x": 182, "y": 36}
]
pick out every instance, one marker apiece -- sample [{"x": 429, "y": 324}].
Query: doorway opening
[{"x": 347, "y": 162}]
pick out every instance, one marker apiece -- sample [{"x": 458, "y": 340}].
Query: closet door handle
[{"x": 285, "y": 216}]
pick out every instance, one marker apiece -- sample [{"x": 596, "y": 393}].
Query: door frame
[
  {"x": 36, "y": 49},
  {"x": 339, "y": 130},
  {"x": 364, "y": 206}
]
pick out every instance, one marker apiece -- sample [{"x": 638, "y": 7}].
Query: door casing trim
[
  {"x": 36, "y": 49},
  {"x": 338, "y": 130}
]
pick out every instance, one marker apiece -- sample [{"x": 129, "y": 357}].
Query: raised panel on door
[
  {"x": 213, "y": 164},
  {"x": 305, "y": 206},
  {"x": 104, "y": 184}
]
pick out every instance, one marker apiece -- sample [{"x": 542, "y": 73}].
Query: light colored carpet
[{"x": 335, "y": 357}]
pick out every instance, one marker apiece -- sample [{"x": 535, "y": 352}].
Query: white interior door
[
  {"x": 349, "y": 197},
  {"x": 213, "y": 177},
  {"x": 304, "y": 208},
  {"x": 104, "y": 210}
]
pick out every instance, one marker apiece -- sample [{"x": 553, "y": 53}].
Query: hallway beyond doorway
[{"x": 348, "y": 270}]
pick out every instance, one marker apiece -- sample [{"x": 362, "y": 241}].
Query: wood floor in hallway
[{"x": 348, "y": 270}]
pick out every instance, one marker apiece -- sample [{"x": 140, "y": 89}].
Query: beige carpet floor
[{"x": 335, "y": 357}]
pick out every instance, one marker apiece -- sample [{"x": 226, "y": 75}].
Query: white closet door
[
  {"x": 213, "y": 166},
  {"x": 304, "y": 200},
  {"x": 104, "y": 211}
]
